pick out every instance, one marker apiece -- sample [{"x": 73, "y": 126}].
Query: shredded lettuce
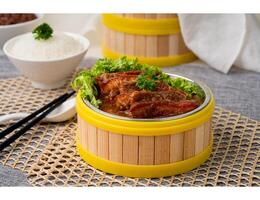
[
  {"x": 85, "y": 82},
  {"x": 189, "y": 87}
]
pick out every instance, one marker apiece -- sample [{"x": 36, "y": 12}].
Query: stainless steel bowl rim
[{"x": 204, "y": 87}]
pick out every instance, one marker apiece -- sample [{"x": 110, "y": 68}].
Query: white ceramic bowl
[
  {"x": 9, "y": 31},
  {"x": 47, "y": 74}
]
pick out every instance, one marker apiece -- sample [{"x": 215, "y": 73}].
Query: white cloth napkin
[{"x": 223, "y": 40}]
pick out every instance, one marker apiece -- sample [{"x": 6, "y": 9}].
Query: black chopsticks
[{"x": 32, "y": 119}]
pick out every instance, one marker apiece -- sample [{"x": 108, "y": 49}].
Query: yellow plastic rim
[
  {"x": 162, "y": 61},
  {"x": 144, "y": 171},
  {"x": 139, "y": 128},
  {"x": 141, "y": 26}
]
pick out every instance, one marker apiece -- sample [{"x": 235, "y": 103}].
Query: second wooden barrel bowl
[
  {"x": 154, "y": 39},
  {"x": 145, "y": 147}
]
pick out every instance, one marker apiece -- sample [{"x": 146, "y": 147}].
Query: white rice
[{"x": 59, "y": 46}]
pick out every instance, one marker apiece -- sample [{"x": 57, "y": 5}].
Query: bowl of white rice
[{"x": 47, "y": 63}]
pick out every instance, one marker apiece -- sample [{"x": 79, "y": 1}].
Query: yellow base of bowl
[
  {"x": 144, "y": 171},
  {"x": 164, "y": 61}
]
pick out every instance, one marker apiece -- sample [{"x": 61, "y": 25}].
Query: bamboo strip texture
[
  {"x": 144, "y": 150},
  {"x": 144, "y": 45}
]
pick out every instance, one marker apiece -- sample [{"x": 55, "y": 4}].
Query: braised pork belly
[{"x": 120, "y": 95}]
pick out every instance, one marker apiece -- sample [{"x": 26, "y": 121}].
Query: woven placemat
[{"x": 48, "y": 156}]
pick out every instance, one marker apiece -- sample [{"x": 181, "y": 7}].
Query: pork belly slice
[
  {"x": 125, "y": 100},
  {"x": 161, "y": 86},
  {"x": 113, "y": 83},
  {"x": 161, "y": 108},
  {"x": 170, "y": 95},
  {"x": 106, "y": 77}
]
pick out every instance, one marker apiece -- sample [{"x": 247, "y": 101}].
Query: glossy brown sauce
[{"x": 120, "y": 95}]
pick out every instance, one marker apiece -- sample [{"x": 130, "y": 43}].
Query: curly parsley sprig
[
  {"x": 42, "y": 32},
  {"x": 145, "y": 82}
]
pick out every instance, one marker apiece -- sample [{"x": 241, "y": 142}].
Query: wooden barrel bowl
[
  {"x": 154, "y": 39},
  {"x": 146, "y": 147}
]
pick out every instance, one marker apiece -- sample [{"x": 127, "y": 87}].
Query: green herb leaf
[
  {"x": 42, "y": 32},
  {"x": 145, "y": 82},
  {"x": 148, "y": 79}
]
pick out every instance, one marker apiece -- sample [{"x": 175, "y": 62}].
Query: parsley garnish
[
  {"x": 145, "y": 82},
  {"x": 42, "y": 32}
]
